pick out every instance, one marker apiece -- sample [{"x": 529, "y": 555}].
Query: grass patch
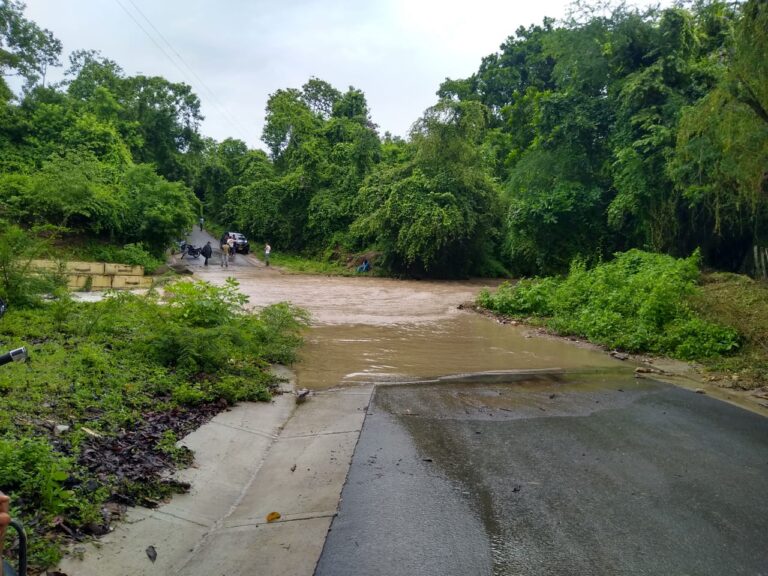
[
  {"x": 94, "y": 414},
  {"x": 742, "y": 303},
  {"x": 638, "y": 302},
  {"x": 307, "y": 265},
  {"x": 215, "y": 229}
]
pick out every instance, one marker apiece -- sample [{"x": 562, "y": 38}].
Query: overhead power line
[
  {"x": 214, "y": 97},
  {"x": 236, "y": 126}
]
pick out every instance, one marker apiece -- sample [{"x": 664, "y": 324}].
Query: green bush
[
  {"x": 20, "y": 284},
  {"x": 526, "y": 297},
  {"x": 132, "y": 254},
  {"x": 638, "y": 302},
  {"x": 199, "y": 303},
  {"x": 35, "y": 474}
]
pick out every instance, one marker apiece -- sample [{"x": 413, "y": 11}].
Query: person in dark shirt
[{"x": 206, "y": 252}]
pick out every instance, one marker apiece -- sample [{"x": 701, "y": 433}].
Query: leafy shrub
[
  {"x": 20, "y": 284},
  {"x": 741, "y": 302},
  {"x": 35, "y": 474},
  {"x": 132, "y": 254},
  {"x": 199, "y": 303},
  {"x": 526, "y": 297},
  {"x": 637, "y": 302}
]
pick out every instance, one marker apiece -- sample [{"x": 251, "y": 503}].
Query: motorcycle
[{"x": 190, "y": 250}]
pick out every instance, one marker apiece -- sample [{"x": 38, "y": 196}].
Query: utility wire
[
  {"x": 165, "y": 53},
  {"x": 215, "y": 99}
]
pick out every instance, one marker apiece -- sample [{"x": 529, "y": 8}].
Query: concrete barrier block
[
  {"x": 131, "y": 282},
  {"x": 44, "y": 265},
  {"x": 123, "y": 269},
  {"x": 85, "y": 267},
  {"x": 101, "y": 282},
  {"x": 77, "y": 281}
]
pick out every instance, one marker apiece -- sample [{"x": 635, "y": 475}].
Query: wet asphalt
[
  {"x": 585, "y": 474},
  {"x": 199, "y": 237}
]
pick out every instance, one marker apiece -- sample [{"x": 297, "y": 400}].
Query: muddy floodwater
[
  {"x": 462, "y": 343},
  {"x": 379, "y": 329}
]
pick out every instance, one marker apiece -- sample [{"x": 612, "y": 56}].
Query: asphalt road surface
[
  {"x": 198, "y": 238},
  {"x": 578, "y": 475}
]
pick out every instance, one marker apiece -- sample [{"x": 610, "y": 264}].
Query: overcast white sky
[{"x": 240, "y": 51}]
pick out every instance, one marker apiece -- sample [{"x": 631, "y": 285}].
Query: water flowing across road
[{"x": 379, "y": 329}]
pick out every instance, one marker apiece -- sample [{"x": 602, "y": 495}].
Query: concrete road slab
[
  {"x": 330, "y": 412},
  {"x": 583, "y": 479},
  {"x": 229, "y": 451},
  {"x": 124, "y": 551},
  {"x": 279, "y": 549},
  {"x": 233, "y": 450},
  {"x": 250, "y": 461},
  {"x": 305, "y": 470},
  {"x": 300, "y": 476},
  {"x": 241, "y": 418}
]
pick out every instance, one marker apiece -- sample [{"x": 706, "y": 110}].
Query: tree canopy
[{"x": 613, "y": 129}]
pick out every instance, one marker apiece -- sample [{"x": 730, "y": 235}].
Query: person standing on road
[
  {"x": 232, "y": 247},
  {"x": 267, "y": 251},
  {"x": 206, "y": 252},
  {"x": 224, "y": 255},
  {"x": 202, "y": 221}
]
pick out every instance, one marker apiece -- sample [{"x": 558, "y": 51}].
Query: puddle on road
[{"x": 336, "y": 355}]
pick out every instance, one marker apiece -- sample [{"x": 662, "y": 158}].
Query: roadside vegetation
[
  {"x": 741, "y": 303},
  {"x": 317, "y": 265},
  {"x": 641, "y": 302},
  {"x": 90, "y": 422},
  {"x": 89, "y": 250}
]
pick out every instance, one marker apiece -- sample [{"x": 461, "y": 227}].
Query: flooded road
[
  {"x": 378, "y": 329},
  {"x": 464, "y": 342}
]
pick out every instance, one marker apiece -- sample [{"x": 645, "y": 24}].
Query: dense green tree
[
  {"x": 25, "y": 49},
  {"x": 322, "y": 144},
  {"x": 438, "y": 212},
  {"x": 721, "y": 159},
  {"x": 320, "y": 97},
  {"x": 595, "y": 132},
  {"x": 157, "y": 211},
  {"x": 612, "y": 129}
]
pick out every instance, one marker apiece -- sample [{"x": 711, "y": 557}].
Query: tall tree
[
  {"x": 437, "y": 213},
  {"x": 721, "y": 159},
  {"x": 25, "y": 49}
]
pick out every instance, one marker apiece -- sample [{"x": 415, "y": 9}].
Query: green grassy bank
[
  {"x": 651, "y": 303},
  {"x": 89, "y": 423}
]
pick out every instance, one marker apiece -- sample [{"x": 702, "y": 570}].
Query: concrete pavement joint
[
  {"x": 219, "y": 524},
  {"x": 317, "y": 434},
  {"x": 343, "y": 392},
  {"x": 268, "y": 435},
  {"x": 291, "y": 518},
  {"x": 159, "y": 513}
]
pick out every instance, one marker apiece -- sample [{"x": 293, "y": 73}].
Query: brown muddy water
[
  {"x": 466, "y": 343},
  {"x": 378, "y": 329}
]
